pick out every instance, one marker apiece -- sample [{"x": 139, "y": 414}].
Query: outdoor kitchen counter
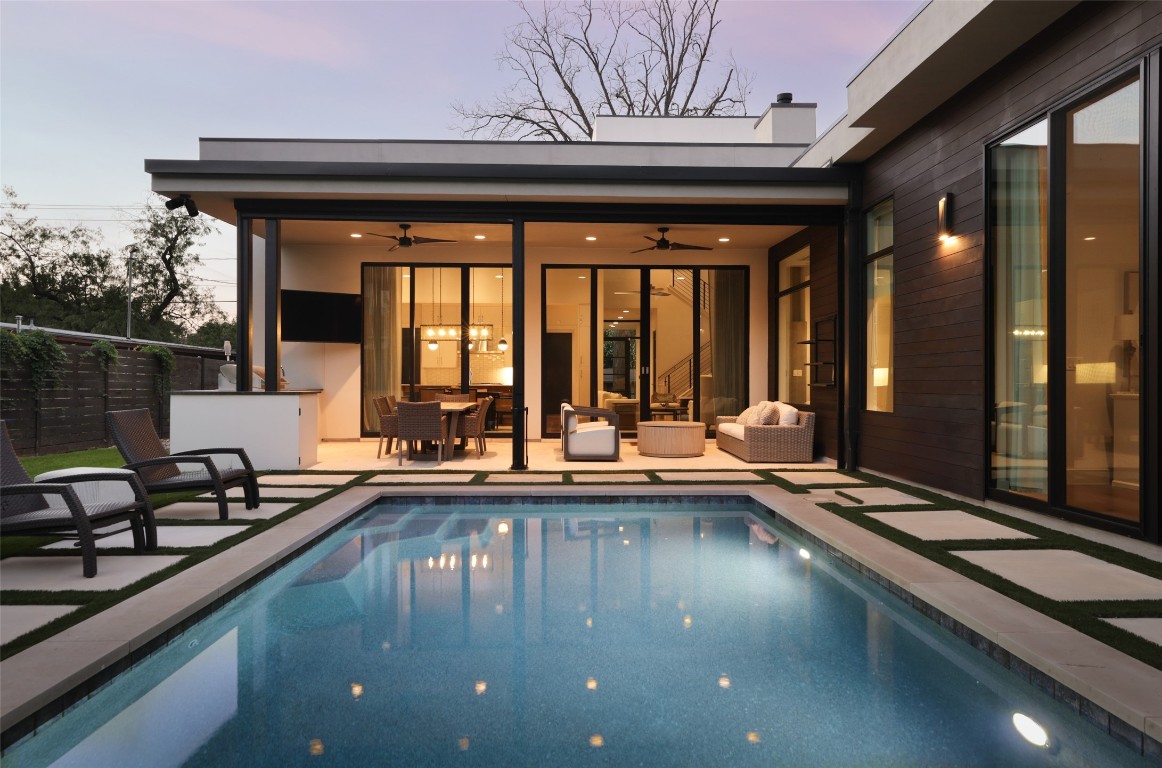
[{"x": 279, "y": 430}]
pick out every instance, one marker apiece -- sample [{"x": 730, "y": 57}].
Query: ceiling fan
[
  {"x": 662, "y": 244},
  {"x": 406, "y": 241}
]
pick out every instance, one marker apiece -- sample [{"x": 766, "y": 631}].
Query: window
[
  {"x": 879, "y": 355},
  {"x": 794, "y": 327}
]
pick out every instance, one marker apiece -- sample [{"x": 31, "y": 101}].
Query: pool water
[{"x": 526, "y": 634}]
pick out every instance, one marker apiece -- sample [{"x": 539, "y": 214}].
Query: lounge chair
[
  {"x": 78, "y": 504},
  {"x": 136, "y": 438},
  {"x": 593, "y": 440}
]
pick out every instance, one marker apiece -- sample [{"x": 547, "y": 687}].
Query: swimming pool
[{"x": 428, "y": 632}]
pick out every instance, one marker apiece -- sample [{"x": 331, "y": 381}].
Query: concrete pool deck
[{"x": 1121, "y": 694}]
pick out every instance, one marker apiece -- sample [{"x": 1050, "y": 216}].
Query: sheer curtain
[
  {"x": 381, "y": 338},
  {"x": 1020, "y": 173}
]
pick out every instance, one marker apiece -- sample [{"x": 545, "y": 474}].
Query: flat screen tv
[{"x": 319, "y": 316}]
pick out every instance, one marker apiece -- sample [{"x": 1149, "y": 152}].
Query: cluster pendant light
[{"x": 502, "y": 345}]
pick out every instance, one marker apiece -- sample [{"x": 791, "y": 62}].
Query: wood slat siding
[
  {"x": 825, "y": 262},
  {"x": 936, "y": 434},
  {"x": 72, "y": 415}
]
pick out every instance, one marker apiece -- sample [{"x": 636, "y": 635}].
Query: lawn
[{"x": 94, "y": 457}]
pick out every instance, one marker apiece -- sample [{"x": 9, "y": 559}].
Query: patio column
[
  {"x": 518, "y": 345},
  {"x": 244, "y": 308},
  {"x": 273, "y": 309}
]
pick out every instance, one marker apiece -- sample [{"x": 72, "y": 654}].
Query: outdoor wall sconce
[
  {"x": 944, "y": 216},
  {"x": 179, "y": 201}
]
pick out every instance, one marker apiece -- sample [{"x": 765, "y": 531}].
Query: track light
[{"x": 179, "y": 201}]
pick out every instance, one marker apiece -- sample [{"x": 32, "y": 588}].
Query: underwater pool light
[
  {"x": 1030, "y": 730},
  {"x": 803, "y": 553}
]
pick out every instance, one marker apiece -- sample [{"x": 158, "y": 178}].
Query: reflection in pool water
[{"x": 521, "y": 634}]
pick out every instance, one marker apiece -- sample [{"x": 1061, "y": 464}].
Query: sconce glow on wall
[{"x": 944, "y": 216}]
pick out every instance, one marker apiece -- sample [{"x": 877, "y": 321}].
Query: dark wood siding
[
  {"x": 825, "y": 261},
  {"x": 936, "y": 433}
]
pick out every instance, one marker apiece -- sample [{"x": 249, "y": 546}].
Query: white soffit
[{"x": 946, "y": 46}]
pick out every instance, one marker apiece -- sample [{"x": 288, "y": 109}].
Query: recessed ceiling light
[
  {"x": 621, "y": 317},
  {"x": 590, "y": 238},
  {"x": 356, "y": 234},
  {"x": 478, "y": 237},
  {"x": 499, "y": 277},
  {"x": 680, "y": 277},
  {"x": 1091, "y": 238},
  {"x": 724, "y": 239}
]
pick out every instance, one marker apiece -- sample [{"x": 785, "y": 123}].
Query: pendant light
[
  {"x": 502, "y": 345},
  {"x": 432, "y": 344}
]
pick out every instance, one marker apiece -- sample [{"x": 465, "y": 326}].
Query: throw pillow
[
  {"x": 788, "y": 415},
  {"x": 769, "y": 414},
  {"x": 746, "y": 416}
]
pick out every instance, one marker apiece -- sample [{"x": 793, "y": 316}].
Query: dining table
[{"x": 454, "y": 411}]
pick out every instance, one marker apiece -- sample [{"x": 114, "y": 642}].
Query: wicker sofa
[{"x": 773, "y": 442}]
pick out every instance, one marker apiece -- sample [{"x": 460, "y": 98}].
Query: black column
[
  {"x": 852, "y": 338},
  {"x": 518, "y": 345},
  {"x": 273, "y": 309},
  {"x": 244, "y": 306}
]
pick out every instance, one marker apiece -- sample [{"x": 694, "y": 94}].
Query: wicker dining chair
[
  {"x": 74, "y": 504},
  {"x": 421, "y": 421},
  {"x": 388, "y": 425},
  {"x": 472, "y": 425},
  {"x": 454, "y": 397},
  {"x": 134, "y": 435}
]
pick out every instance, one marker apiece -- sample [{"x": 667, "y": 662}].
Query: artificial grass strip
[{"x": 849, "y": 497}]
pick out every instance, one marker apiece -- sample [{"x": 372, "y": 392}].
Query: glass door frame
[{"x": 1147, "y": 72}]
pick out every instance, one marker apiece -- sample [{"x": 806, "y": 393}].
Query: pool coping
[{"x": 1104, "y": 686}]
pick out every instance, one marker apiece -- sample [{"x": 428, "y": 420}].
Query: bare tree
[{"x": 577, "y": 60}]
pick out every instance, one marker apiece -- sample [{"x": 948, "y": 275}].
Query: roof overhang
[
  {"x": 233, "y": 170},
  {"x": 945, "y": 47}
]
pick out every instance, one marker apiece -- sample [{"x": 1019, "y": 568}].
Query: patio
[{"x": 903, "y": 537}]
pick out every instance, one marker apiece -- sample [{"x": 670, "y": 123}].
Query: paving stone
[
  {"x": 274, "y": 493},
  {"x": 599, "y": 477},
  {"x": 167, "y": 536},
  {"x": 1061, "y": 574},
  {"x": 1151, "y": 629},
  {"x": 16, "y": 620},
  {"x": 305, "y": 479},
  {"x": 818, "y": 478},
  {"x": 947, "y": 524},
  {"x": 875, "y": 497},
  {"x": 422, "y": 477},
  {"x": 64, "y": 572},
  {"x": 504, "y": 477},
  {"x": 740, "y": 477},
  {"x": 201, "y": 510}
]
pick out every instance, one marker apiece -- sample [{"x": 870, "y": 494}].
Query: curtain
[
  {"x": 381, "y": 338},
  {"x": 727, "y": 378},
  {"x": 1020, "y": 247}
]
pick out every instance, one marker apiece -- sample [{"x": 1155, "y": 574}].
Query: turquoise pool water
[{"x": 525, "y": 634}]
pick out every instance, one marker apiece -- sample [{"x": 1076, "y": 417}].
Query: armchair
[{"x": 593, "y": 440}]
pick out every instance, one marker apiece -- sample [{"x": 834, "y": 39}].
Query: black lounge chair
[
  {"x": 58, "y": 509},
  {"x": 136, "y": 438}
]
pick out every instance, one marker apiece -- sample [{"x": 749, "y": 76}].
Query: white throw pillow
[
  {"x": 788, "y": 415},
  {"x": 746, "y": 416},
  {"x": 769, "y": 413}
]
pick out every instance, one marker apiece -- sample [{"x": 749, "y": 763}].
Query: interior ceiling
[{"x": 628, "y": 237}]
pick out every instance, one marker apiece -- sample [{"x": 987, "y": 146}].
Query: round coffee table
[{"x": 671, "y": 439}]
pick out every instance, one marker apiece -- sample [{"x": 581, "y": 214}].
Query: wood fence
[{"x": 71, "y": 416}]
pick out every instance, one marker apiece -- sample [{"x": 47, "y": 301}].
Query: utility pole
[{"x": 129, "y": 293}]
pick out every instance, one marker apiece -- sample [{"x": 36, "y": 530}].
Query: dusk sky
[{"x": 89, "y": 90}]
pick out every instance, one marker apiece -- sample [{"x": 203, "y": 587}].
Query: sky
[{"x": 89, "y": 90}]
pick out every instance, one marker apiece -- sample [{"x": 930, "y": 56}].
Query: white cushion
[
  {"x": 735, "y": 430},
  {"x": 598, "y": 441},
  {"x": 788, "y": 415}
]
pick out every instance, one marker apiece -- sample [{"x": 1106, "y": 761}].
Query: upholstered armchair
[{"x": 590, "y": 440}]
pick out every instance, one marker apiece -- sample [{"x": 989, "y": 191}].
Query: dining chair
[{"x": 421, "y": 421}]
